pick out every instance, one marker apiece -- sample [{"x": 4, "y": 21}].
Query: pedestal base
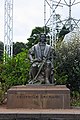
[{"x": 39, "y": 97}]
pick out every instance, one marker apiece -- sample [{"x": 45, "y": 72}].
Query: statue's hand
[
  {"x": 32, "y": 61},
  {"x": 35, "y": 60}
]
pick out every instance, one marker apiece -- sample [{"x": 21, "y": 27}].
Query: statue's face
[{"x": 43, "y": 38}]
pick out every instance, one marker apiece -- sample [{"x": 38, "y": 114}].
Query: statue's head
[{"x": 43, "y": 38}]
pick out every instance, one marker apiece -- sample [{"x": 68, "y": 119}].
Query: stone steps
[{"x": 39, "y": 114}]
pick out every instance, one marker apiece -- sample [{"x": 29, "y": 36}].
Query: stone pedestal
[{"x": 39, "y": 97}]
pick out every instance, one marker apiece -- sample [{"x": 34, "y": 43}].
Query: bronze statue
[{"x": 41, "y": 57}]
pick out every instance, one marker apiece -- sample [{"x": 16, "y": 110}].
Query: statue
[{"x": 41, "y": 57}]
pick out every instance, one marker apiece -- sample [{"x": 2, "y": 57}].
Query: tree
[
  {"x": 63, "y": 32},
  {"x": 18, "y": 47},
  {"x": 61, "y": 35}
]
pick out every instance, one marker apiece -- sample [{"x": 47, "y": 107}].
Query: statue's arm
[{"x": 31, "y": 54}]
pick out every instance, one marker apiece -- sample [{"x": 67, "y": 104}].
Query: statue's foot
[{"x": 47, "y": 82}]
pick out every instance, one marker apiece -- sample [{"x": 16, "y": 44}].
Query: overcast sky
[{"x": 29, "y": 14}]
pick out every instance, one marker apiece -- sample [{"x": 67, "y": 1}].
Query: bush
[
  {"x": 67, "y": 64},
  {"x": 16, "y": 70}
]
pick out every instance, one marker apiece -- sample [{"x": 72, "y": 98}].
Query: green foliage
[
  {"x": 63, "y": 31},
  {"x": 75, "y": 98},
  {"x": 16, "y": 70},
  {"x": 61, "y": 36},
  {"x": 1, "y": 96},
  {"x": 67, "y": 64},
  {"x": 18, "y": 47},
  {"x": 2, "y": 92}
]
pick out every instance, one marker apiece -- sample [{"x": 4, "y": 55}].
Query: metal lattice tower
[
  {"x": 70, "y": 21},
  {"x": 8, "y": 28},
  {"x": 54, "y": 21}
]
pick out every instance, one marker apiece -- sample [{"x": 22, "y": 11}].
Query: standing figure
[{"x": 41, "y": 57}]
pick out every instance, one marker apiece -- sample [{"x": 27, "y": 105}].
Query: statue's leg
[
  {"x": 34, "y": 70},
  {"x": 47, "y": 72}
]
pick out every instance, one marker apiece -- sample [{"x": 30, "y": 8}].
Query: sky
[{"x": 28, "y": 14}]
